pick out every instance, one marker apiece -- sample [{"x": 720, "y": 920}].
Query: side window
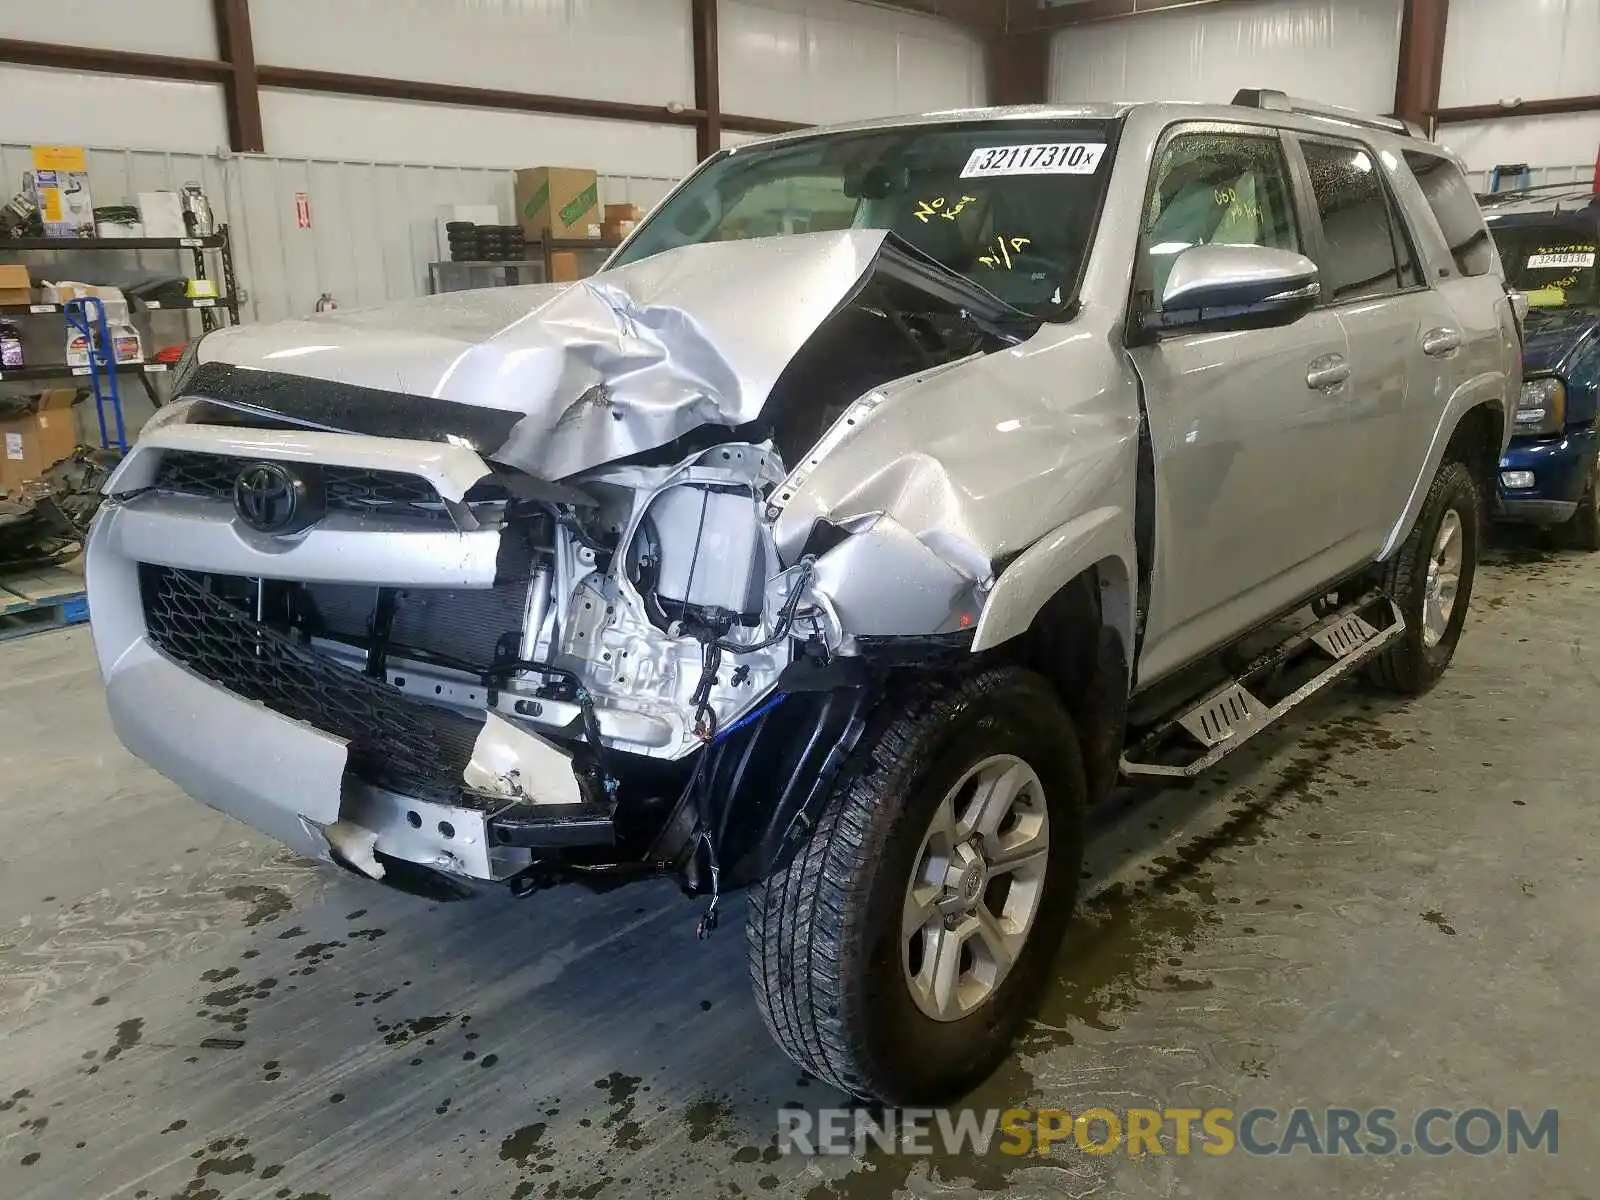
[
  {"x": 1456, "y": 208},
  {"x": 1215, "y": 189},
  {"x": 1367, "y": 252}
]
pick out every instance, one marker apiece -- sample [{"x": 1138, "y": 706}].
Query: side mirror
[{"x": 1235, "y": 287}]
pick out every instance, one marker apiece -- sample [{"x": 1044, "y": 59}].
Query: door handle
[
  {"x": 1440, "y": 342},
  {"x": 1328, "y": 372}
]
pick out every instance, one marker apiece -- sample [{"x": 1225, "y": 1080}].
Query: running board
[{"x": 1232, "y": 714}]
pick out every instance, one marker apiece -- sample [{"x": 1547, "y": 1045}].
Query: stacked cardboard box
[{"x": 33, "y": 441}]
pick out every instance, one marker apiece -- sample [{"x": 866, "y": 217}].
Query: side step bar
[{"x": 1205, "y": 732}]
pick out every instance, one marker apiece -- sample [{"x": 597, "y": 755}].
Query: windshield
[
  {"x": 1553, "y": 263},
  {"x": 1009, "y": 204}
]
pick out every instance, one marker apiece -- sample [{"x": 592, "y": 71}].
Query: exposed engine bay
[{"x": 641, "y": 657}]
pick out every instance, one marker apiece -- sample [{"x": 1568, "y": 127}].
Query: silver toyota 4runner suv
[{"x": 893, "y": 491}]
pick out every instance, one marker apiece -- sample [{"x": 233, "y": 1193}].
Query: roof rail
[{"x": 1276, "y": 101}]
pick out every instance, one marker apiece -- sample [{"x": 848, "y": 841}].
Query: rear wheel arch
[{"x": 1476, "y": 443}]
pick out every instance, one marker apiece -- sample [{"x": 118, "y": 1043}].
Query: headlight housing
[{"x": 1542, "y": 407}]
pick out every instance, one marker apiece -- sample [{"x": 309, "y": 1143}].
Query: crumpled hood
[
  {"x": 580, "y": 374},
  {"x": 1553, "y": 335}
]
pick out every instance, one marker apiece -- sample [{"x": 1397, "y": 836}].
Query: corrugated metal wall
[
  {"x": 1537, "y": 176},
  {"x": 372, "y": 231},
  {"x": 1336, "y": 51},
  {"x": 1496, "y": 51}
]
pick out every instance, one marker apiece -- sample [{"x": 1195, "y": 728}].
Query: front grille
[
  {"x": 395, "y": 742},
  {"x": 351, "y": 489}
]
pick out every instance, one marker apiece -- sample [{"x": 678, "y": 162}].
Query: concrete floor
[{"x": 1380, "y": 904}]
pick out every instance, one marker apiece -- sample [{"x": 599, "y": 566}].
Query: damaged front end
[{"x": 588, "y": 630}]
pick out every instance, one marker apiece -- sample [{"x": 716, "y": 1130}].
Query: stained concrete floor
[{"x": 1381, "y": 904}]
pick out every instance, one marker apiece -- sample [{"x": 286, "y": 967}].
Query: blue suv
[{"x": 1547, "y": 240}]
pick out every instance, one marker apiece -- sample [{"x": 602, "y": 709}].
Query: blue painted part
[
  {"x": 87, "y": 315},
  {"x": 760, "y": 711}
]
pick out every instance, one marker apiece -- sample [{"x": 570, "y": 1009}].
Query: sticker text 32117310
[{"x": 1060, "y": 158}]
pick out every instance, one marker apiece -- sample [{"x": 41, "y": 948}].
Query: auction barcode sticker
[
  {"x": 1060, "y": 158},
  {"x": 1545, "y": 262}
]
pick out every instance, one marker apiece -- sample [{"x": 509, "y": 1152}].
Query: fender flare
[
  {"x": 1039, "y": 572},
  {"x": 1487, "y": 388}
]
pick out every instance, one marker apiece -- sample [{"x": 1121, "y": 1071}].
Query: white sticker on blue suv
[
  {"x": 1059, "y": 158},
  {"x": 1543, "y": 262}
]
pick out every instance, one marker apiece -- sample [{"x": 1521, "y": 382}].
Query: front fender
[
  {"x": 1101, "y": 538},
  {"x": 1487, "y": 388}
]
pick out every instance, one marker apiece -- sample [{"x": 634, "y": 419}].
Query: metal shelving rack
[
  {"x": 458, "y": 276},
  {"x": 210, "y": 309}
]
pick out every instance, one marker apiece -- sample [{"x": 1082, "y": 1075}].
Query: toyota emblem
[{"x": 273, "y": 498}]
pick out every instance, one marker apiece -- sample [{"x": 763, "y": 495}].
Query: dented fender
[{"x": 1102, "y": 539}]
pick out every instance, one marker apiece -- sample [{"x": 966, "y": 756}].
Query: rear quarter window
[{"x": 1456, "y": 209}]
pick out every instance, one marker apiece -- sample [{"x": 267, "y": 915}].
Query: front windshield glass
[
  {"x": 1553, "y": 263},
  {"x": 1009, "y": 204}
]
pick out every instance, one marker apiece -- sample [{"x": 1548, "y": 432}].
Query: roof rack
[{"x": 1276, "y": 101}]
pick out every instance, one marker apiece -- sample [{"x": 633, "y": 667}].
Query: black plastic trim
[{"x": 348, "y": 408}]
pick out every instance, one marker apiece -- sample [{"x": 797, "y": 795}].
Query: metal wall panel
[
  {"x": 182, "y": 27},
  {"x": 828, "y": 60},
  {"x": 633, "y": 50},
  {"x": 1533, "y": 49},
  {"x": 373, "y": 224},
  {"x": 1537, "y": 141},
  {"x": 1537, "y": 176},
  {"x": 1337, "y": 51},
  {"x": 78, "y": 108},
  {"x": 1544, "y": 49},
  {"x": 303, "y": 124}
]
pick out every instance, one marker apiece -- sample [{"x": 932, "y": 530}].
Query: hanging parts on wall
[{"x": 326, "y": 302}]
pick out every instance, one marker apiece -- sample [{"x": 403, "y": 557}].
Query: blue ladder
[{"x": 87, "y": 315}]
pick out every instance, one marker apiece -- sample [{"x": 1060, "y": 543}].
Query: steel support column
[{"x": 1416, "y": 89}]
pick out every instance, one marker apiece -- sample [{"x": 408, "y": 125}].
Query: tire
[
  {"x": 1582, "y": 530},
  {"x": 828, "y": 959},
  {"x": 1416, "y": 660}
]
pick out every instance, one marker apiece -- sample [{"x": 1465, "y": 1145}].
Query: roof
[
  {"x": 1567, "y": 200},
  {"x": 1326, "y": 118}
]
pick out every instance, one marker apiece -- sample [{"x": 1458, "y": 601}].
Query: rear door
[
  {"x": 1246, "y": 427},
  {"x": 1405, "y": 341}
]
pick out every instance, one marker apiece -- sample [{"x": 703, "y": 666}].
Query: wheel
[
  {"x": 899, "y": 953},
  {"x": 1430, "y": 579},
  {"x": 1582, "y": 530}
]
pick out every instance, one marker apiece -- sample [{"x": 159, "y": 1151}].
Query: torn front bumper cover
[{"x": 288, "y": 780}]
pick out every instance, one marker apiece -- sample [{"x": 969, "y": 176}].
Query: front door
[{"x": 1247, "y": 494}]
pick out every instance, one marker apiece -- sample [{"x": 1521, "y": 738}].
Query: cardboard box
[
  {"x": 111, "y": 298},
  {"x": 15, "y": 286},
  {"x": 615, "y": 231},
  {"x": 564, "y": 267},
  {"x": 37, "y": 440},
  {"x": 631, "y": 213},
  {"x": 563, "y": 202},
  {"x": 61, "y": 188}
]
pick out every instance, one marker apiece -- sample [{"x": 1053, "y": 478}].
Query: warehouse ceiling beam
[
  {"x": 241, "y": 93},
  {"x": 707, "y": 78},
  {"x": 204, "y": 70},
  {"x": 340, "y": 83},
  {"x": 1043, "y": 16},
  {"x": 986, "y": 17},
  {"x": 1416, "y": 88},
  {"x": 1558, "y": 107},
  {"x": 112, "y": 62}
]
